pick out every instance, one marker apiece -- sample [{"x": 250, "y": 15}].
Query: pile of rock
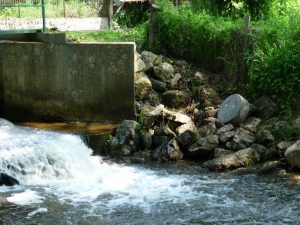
[{"x": 229, "y": 136}]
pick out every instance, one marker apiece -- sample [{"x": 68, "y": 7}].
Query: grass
[{"x": 135, "y": 34}]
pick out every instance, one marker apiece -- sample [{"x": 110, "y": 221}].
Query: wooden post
[
  {"x": 153, "y": 24},
  {"x": 64, "y": 8},
  {"x": 104, "y": 9}
]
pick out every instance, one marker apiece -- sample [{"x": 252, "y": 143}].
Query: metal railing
[
  {"x": 5, "y": 4},
  {"x": 54, "y": 8}
]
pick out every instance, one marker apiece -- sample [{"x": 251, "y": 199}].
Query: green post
[{"x": 44, "y": 15}]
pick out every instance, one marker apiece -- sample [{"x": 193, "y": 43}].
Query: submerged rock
[
  {"x": 7, "y": 180},
  {"x": 242, "y": 158},
  {"x": 270, "y": 167}
]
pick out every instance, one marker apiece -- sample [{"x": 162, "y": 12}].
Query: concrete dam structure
[{"x": 54, "y": 81}]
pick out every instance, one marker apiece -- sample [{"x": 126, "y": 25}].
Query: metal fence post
[{"x": 44, "y": 15}]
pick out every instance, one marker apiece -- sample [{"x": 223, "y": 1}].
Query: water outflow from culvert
[
  {"x": 62, "y": 183},
  {"x": 64, "y": 165}
]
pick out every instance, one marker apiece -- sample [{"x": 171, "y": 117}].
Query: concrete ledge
[
  {"x": 35, "y": 37},
  {"x": 67, "y": 82}
]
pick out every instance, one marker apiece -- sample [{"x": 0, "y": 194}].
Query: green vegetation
[
  {"x": 197, "y": 37},
  {"x": 273, "y": 61},
  {"x": 213, "y": 38},
  {"x": 135, "y": 34},
  {"x": 256, "y": 8},
  {"x": 132, "y": 15}
]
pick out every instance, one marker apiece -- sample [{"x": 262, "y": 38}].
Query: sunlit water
[{"x": 61, "y": 183}]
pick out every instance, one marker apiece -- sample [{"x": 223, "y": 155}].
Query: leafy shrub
[
  {"x": 197, "y": 37},
  {"x": 273, "y": 61},
  {"x": 132, "y": 15},
  {"x": 256, "y": 8}
]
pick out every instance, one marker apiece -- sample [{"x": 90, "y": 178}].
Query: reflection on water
[{"x": 61, "y": 183}]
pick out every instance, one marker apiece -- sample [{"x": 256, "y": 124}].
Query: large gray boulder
[
  {"x": 234, "y": 109},
  {"x": 292, "y": 155},
  {"x": 243, "y": 158}
]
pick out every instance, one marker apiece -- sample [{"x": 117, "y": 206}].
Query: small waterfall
[{"x": 63, "y": 164}]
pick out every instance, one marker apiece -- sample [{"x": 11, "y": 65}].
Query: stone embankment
[{"x": 181, "y": 115}]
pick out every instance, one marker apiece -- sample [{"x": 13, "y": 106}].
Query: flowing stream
[{"x": 61, "y": 183}]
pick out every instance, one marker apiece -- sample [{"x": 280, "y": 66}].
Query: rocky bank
[{"x": 182, "y": 113}]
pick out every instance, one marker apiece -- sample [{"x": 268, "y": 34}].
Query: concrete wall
[{"x": 67, "y": 82}]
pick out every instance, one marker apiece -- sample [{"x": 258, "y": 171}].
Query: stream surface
[{"x": 61, "y": 184}]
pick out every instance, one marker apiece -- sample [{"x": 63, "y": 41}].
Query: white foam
[
  {"x": 33, "y": 213},
  {"x": 62, "y": 164},
  {"x": 27, "y": 197}
]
